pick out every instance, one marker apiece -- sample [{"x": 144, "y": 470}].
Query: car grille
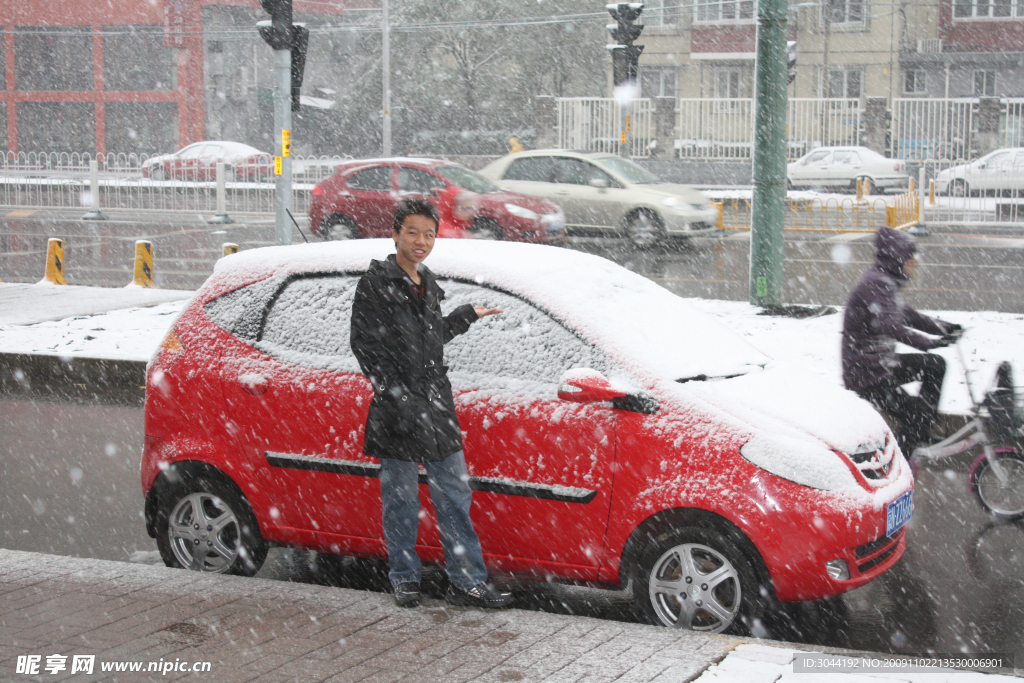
[
  {"x": 875, "y": 464},
  {"x": 887, "y": 544}
]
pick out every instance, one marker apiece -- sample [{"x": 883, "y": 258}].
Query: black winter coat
[{"x": 399, "y": 341}]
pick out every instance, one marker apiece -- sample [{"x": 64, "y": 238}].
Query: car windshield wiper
[{"x": 704, "y": 378}]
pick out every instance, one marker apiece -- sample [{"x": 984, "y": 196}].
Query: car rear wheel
[
  {"x": 960, "y": 188},
  {"x": 206, "y": 525},
  {"x": 339, "y": 228},
  {"x": 229, "y": 174},
  {"x": 695, "y": 578},
  {"x": 643, "y": 229},
  {"x": 157, "y": 172},
  {"x": 487, "y": 229}
]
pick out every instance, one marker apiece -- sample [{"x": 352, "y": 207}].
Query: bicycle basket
[{"x": 1004, "y": 413}]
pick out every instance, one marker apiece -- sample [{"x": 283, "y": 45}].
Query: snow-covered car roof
[{"x": 655, "y": 333}]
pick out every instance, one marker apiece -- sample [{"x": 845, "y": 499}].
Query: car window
[
  {"x": 467, "y": 180},
  {"x": 846, "y": 157},
  {"x": 213, "y": 151},
  {"x": 629, "y": 170},
  {"x": 309, "y": 321},
  {"x": 571, "y": 171},
  {"x": 533, "y": 169},
  {"x": 1018, "y": 164},
  {"x": 523, "y": 348},
  {"x": 376, "y": 179},
  {"x": 191, "y": 150},
  {"x": 241, "y": 312},
  {"x": 417, "y": 181},
  {"x": 817, "y": 158}
]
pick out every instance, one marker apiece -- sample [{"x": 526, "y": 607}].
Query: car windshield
[
  {"x": 628, "y": 170},
  {"x": 468, "y": 180}
]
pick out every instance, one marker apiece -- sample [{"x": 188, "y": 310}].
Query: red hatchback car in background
[
  {"x": 360, "y": 199},
  {"x": 614, "y": 435}
]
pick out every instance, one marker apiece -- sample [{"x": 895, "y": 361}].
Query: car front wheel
[
  {"x": 695, "y": 578},
  {"x": 643, "y": 230},
  {"x": 339, "y": 228},
  {"x": 487, "y": 229},
  {"x": 206, "y": 525},
  {"x": 960, "y": 188},
  {"x": 156, "y": 172}
]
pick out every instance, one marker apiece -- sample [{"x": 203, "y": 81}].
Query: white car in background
[
  {"x": 601, "y": 192},
  {"x": 841, "y": 167},
  {"x": 999, "y": 171}
]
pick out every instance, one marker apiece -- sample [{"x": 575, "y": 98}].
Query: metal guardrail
[
  {"x": 591, "y": 124},
  {"x": 817, "y": 214}
]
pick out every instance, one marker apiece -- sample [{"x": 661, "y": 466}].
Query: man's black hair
[{"x": 414, "y": 207}]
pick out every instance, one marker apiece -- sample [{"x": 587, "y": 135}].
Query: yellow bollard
[
  {"x": 911, "y": 188},
  {"x": 143, "y": 264},
  {"x": 721, "y": 218},
  {"x": 55, "y": 261},
  {"x": 229, "y": 248},
  {"x": 860, "y": 189},
  {"x": 931, "y": 192}
]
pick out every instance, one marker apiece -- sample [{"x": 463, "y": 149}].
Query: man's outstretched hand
[{"x": 481, "y": 311}]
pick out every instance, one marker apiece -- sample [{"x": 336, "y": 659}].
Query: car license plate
[{"x": 897, "y": 513}]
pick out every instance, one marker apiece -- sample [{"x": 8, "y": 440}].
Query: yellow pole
[
  {"x": 229, "y": 248},
  {"x": 143, "y": 264},
  {"x": 860, "y": 189},
  {"x": 931, "y": 192},
  {"x": 55, "y": 261}
]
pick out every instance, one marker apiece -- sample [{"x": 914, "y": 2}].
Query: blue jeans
[{"x": 450, "y": 493}]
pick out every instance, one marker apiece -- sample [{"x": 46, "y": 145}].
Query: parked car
[
  {"x": 999, "y": 171},
  {"x": 606, "y": 193},
  {"x": 359, "y": 200},
  {"x": 198, "y": 161},
  {"x": 839, "y": 168},
  {"x": 614, "y": 435}
]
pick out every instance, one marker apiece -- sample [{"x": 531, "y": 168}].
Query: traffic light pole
[
  {"x": 766, "y": 243},
  {"x": 282, "y": 123}
]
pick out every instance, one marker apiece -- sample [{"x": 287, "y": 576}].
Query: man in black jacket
[
  {"x": 876, "y": 318},
  {"x": 398, "y": 337}
]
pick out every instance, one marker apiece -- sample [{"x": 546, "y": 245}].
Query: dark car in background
[{"x": 359, "y": 200}]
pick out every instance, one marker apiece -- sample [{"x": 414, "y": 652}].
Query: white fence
[
  {"x": 61, "y": 181},
  {"x": 591, "y": 124},
  {"x": 925, "y": 129}
]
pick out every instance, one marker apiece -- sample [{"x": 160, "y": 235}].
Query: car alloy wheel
[
  {"x": 157, "y": 172},
  {"x": 960, "y": 188},
  {"x": 487, "y": 229},
  {"x": 207, "y": 526},
  {"x": 339, "y": 228},
  {"x": 643, "y": 230},
  {"x": 1004, "y": 499},
  {"x": 695, "y": 579}
]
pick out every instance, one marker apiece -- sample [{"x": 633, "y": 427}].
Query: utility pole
[
  {"x": 766, "y": 243},
  {"x": 625, "y": 58},
  {"x": 386, "y": 67},
  {"x": 289, "y": 44}
]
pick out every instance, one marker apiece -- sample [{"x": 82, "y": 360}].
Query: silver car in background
[{"x": 601, "y": 192}]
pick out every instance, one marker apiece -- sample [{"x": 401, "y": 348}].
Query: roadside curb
[{"x": 73, "y": 377}]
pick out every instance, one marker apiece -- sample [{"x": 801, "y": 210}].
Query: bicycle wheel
[{"x": 1004, "y": 499}]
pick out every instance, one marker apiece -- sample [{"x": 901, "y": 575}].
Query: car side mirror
[
  {"x": 599, "y": 183},
  {"x": 583, "y": 385}
]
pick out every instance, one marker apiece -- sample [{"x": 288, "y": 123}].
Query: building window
[
  {"x": 134, "y": 58},
  {"x": 988, "y": 9},
  {"x": 56, "y": 127},
  {"x": 659, "y": 13},
  {"x": 141, "y": 127},
  {"x": 843, "y": 82},
  {"x": 729, "y": 90},
  {"x": 725, "y": 12},
  {"x": 53, "y": 58},
  {"x": 655, "y": 82},
  {"x": 985, "y": 83},
  {"x": 913, "y": 82},
  {"x": 843, "y": 12}
]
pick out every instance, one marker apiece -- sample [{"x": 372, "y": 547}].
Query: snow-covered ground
[{"x": 122, "y": 326}]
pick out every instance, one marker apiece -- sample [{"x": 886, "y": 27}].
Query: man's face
[
  {"x": 416, "y": 239},
  {"x": 910, "y": 266}
]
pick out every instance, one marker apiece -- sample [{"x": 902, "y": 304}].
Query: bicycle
[{"x": 996, "y": 476}]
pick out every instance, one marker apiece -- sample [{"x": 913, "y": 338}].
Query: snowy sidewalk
[{"x": 115, "y": 615}]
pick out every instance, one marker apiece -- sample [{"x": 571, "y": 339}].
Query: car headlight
[
  {"x": 800, "y": 461},
  {"x": 679, "y": 205},
  {"x": 521, "y": 212},
  {"x": 553, "y": 222}
]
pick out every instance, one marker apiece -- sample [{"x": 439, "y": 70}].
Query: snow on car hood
[{"x": 652, "y": 332}]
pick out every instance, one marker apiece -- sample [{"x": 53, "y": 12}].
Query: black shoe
[
  {"x": 407, "y": 595},
  {"x": 480, "y": 595}
]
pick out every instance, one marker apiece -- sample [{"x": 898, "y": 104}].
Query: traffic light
[
  {"x": 790, "y": 61},
  {"x": 625, "y": 55},
  {"x": 279, "y": 33},
  {"x": 300, "y": 41}
]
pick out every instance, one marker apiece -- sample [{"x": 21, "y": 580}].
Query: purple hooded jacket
[{"x": 877, "y": 317}]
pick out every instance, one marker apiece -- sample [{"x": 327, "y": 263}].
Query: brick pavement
[{"x": 260, "y": 630}]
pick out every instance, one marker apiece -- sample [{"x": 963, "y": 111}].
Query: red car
[
  {"x": 198, "y": 161},
  {"x": 614, "y": 435},
  {"x": 360, "y": 199}
]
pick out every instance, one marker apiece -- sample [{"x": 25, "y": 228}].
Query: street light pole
[
  {"x": 386, "y": 66},
  {"x": 766, "y": 243}
]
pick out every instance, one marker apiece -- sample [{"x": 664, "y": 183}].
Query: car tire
[
  {"x": 643, "y": 229},
  {"x": 960, "y": 188},
  {"x": 339, "y": 228},
  {"x": 789, "y": 185},
  {"x": 718, "y": 580},
  {"x": 487, "y": 229},
  {"x": 157, "y": 172},
  {"x": 231, "y": 543},
  {"x": 1004, "y": 503},
  {"x": 230, "y": 175}
]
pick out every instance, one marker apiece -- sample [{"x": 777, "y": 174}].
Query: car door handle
[{"x": 254, "y": 384}]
